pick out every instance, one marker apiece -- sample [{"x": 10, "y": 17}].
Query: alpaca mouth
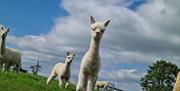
[{"x": 98, "y": 35}]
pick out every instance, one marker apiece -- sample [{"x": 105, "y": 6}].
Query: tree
[
  {"x": 35, "y": 68},
  {"x": 160, "y": 76}
]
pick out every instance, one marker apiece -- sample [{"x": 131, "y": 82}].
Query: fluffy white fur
[
  {"x": 102, "y": 84},
  {"x": 177, "y": 83},
  {"x": 8, "y": 56},
  {"x": 63, "y": 71},
  {"x": 90, "y": 63}
]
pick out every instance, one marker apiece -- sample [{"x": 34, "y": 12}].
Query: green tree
[{"x": 160, "y": 76}]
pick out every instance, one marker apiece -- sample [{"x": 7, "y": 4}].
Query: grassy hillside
[{"x": 28, "y": 82}]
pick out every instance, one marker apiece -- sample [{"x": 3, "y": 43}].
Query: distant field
[{"x": 28, "y": 82}]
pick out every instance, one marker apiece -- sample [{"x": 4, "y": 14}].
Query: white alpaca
[
  {"x": 90, "y": 63},
  {"x": 102, "y": 84},
  {"x": 177, "y": 83},
  {"x": 8, "y": 56},
  {"x": 63, "y": 71}
]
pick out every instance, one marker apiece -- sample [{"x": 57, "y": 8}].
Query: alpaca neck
[
  {"x": 3, "y": 46},
  {"x": 67, "y": 65},
  {"x": 94, "y": 45}
]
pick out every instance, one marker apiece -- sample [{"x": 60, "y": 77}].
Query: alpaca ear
[
  {"x": 92, "y": 20},
  {"x": 106, "y": 23},
  {"x": 2, "y": 28},
  {"x": 8, "y": 30},
  {"x": 74, "y": 53},
  {"x": 68, "y": 53}
]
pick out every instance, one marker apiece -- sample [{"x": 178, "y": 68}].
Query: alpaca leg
[
  {"x": 82, "y": 83},
  {"x": 1, "y": 66},
  {"x": 67, "y": 83},
  {"x": 62, "y": 82},
  {"x": 51, "y": 77},
  {"x": 97, "y": 87},
  {"x": 95, "y": 79},
  {"x": 6, "y": 68},
  {"x": 105, "y": 87},
  {"x": 91, "y": 82},
  {"x": 17, "y": 68}
]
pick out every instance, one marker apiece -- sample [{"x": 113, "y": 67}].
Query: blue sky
[
  {"x": 136, "y": 3},
  {"x": 137, "y": 36},
  {"x": 26, "y": 16}
]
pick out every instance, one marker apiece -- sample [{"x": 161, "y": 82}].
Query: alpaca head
[
  {"x": 4, "y": 32},
  {"x": 98, "y": 28},
  {"x": 70, "y": 57}
]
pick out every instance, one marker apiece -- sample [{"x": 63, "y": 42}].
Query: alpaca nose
[{"x": 97, "y": 33}]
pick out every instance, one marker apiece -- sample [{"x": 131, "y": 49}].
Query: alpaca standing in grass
[
  {"x": 102, "y": 84},
  {"x": 8, "y": 56},
  {"x": 63, "y": 71},
  {"x": 90, "y": 63}
]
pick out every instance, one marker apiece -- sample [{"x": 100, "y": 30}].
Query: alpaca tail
[{"x": 51, "y": 77}]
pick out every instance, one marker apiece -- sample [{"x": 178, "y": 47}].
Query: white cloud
[
  {"x": 126, "y": 79},
  {"x": 141, "y": 36},
  {"x": 122, "y": 74}
]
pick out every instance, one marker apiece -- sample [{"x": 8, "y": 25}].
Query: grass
[{"x": 28, "y": 82}]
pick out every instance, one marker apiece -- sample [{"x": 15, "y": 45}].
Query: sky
[{"x": 140, "y": 33}]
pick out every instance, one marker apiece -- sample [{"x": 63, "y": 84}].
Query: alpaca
[
  {"x": 102, "y": 84},
  {"x": 63, "y": 71},
  {"x": 177, "y": 83},
  {"x": 90, "y": 63},
  {"x": 8, "y": 56}
]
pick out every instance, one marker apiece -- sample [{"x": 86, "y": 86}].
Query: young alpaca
[
  {"x": 63, "y": 71},
  {"x": 90, "y": 63},
  {"x": 102, "y": 84},
  {"x": 8, "y": 56}
]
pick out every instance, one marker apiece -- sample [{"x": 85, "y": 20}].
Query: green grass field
[{"x": 28, "y": 82}]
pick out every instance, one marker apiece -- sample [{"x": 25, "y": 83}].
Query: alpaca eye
[
  {"x": 93, "y": 29},
  {"x": 102, "y": 31}
]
